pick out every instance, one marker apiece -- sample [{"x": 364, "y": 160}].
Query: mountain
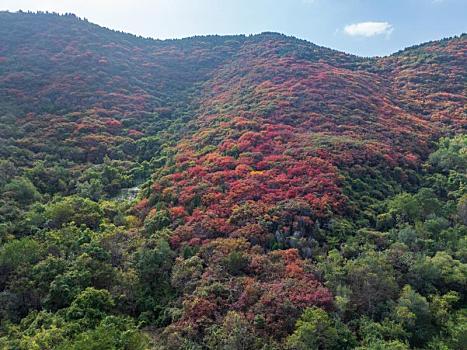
[{"x": 289, "y": 195}]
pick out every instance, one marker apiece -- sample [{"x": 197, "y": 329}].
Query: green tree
[
  {"x": 153, "y": 263},
  {"x": 7, "y": 171},
  {"x": 371, "y": 278},
  {"x": 22, "y": 190},
  {"x": 92, "y": 189},
  {"x": 451, "y": 154},
  {"x": 462, "y": 209},
  {"x": 235, "y": 263},
  {"x": 113, "y": 333},
  {"x": 384, "y": 345},
  {"x": 441, "y": 272},
  {"x": 316, "y": 329},
  {"x": 90, "y": 306},
  {"x": 19, "y": 252},
  {"x": 75, "y": 209},
  {"x": 413, "y": 311}
]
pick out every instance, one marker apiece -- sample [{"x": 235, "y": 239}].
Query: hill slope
[{"x": 280, "y": 181}]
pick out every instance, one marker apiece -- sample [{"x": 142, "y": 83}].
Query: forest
[{"x": 228, "y": 192}]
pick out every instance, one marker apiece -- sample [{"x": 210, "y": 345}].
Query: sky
[{"x": 361, "y": 27}]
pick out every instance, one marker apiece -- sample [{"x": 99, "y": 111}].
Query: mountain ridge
[{"x": 75, "y": 17}]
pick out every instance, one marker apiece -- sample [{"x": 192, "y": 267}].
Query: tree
[
  {"x": 153, "y": 263},
  {"x": 92, "y": 189},
  {"x": 316, "y": 329},
  {"x": 50, "y": 179},
  {"x": 75, "y": 209},
  {"x": 90, "y": 307},
  {"x": 186, "y": 274},
  {"x": 413, "y": 311},
  {"x": 371, "y": 279},
  {"x": 116, "y": 333},
  {"x": 235, "y": 263},
  {"x": 7, "y": 171},
  {"x": 384, "y": 345},
  {"x": 454, "y": 335},
  {"x": 22, "y": 190},
  {"x": 411, "y": 208},
  {"x": 37, "y": 331},
  {"x": 18, "y": 252},
  {"x": 387, "y": 332},
  {"x": 441, "y": 272},
  {"x": 462, "y": 209},
  {"x": 235, "y": 333},
  {"x": 451, "y": 154}
]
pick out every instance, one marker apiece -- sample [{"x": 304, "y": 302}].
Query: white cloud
[{"x": 368, "y": 29}]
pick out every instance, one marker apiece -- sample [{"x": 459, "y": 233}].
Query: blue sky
[{"x": 363, "y": 27}]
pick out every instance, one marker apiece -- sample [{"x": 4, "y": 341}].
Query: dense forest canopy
[{"x": 228, "y": 192}]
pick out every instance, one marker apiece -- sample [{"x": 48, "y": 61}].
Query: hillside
[{"x": 290, "y": 196}]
